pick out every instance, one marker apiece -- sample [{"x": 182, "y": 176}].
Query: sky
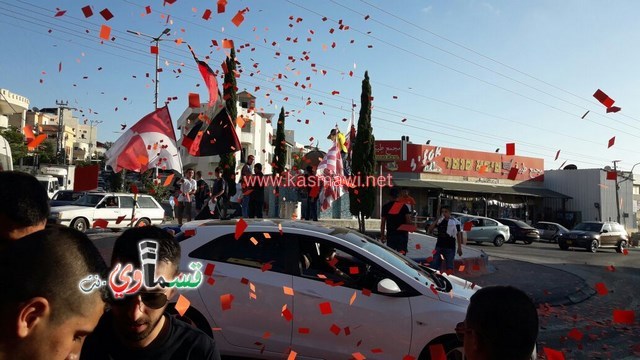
[{"x": 461, "y": 73}]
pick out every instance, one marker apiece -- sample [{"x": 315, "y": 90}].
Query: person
[
  {"x": 245, "y": 174},
  {"x": 235, "y": 202},
  {"x": 311, "y": 211},
  {"x": 505, "y": 332},
  {"x": 202, "y": 191},
  {"x": 187, "y": 190},
  {"x": 25, "y": 205},
  {"x": 407, "y": 199},
  {"x": 394, "y": 215},
  {"x": 256, "y": 198},
  {"x": 219, "y": 194},
  {"x": 138, "y": 326},
  {"x": 449, "y": 230},
  {"x": 337, "y": 137},
  {"x": 43, "y": 312}
]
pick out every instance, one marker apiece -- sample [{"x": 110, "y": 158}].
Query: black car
[
  {"x": 520, "y": 230},
  {"x": 591, "y": 235},
  {"x": 65, "y": 197}
]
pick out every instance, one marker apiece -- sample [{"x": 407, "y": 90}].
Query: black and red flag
[{"x": 213, "y": 132}]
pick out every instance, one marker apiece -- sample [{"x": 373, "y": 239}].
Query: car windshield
[
  {"x": 88, "y": 200},
  {"x": 396, "y": 260},
  {"x": 521, "y": 224},
  {"x": 588, "y": 227}
]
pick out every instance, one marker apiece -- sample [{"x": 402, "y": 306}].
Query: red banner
[
  {"x": 456, "y": 162},
  {"x": 86, "y": 178}
]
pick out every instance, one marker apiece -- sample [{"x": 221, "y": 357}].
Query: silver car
[
  {"x": 550, "y": 230},
  {"x": 484, "y": 229}
]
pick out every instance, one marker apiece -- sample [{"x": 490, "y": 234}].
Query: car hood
[{"x": 461, "y": 291}]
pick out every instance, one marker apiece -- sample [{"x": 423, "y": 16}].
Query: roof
[{"x": 480, "y": 188}]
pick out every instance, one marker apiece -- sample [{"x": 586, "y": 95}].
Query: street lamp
[
  {"x": 615, "y": 168},
  {"x": 157, "y": 40}
]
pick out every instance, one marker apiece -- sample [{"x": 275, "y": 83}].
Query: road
[{"x": 596, "y": 336}]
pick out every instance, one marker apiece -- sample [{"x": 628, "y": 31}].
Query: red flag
[
  {"x": 612, "y": 175},
  {"x": 511, "y": 149},
  {"x": 148, "y": 144},
  {"x": 331, "y": 165},
  {"x": 28, "y": 133},
  {"x": 86, "y": 178},
  {"x": 603, "y": 98},
  {"x": 35, "y": 142},
  {"x": 209, "y": 78}
]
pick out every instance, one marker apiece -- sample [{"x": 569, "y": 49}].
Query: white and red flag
[
  {"x": 150, "y": 143},
  {"x": 331, "y": 166},
  {"x": 351, "y": 135}
]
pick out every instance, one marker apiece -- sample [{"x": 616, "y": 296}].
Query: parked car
[
  {"x": 550, "y": 230},
  {"x": 336, "y": 281},
  {"x": 592, "y": 235},
  {"x": 65, "y": 197},
  {"x": 520, "y": 230},
  {"x": 115, "y": 208},
  {"x": 485, "y": 229}
]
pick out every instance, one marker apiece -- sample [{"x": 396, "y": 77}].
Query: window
[
  {"x": 607, "y": 228},
  {"x": 146, "y": 202},
  {"x": 126, "y": 202},
  {"x": 322, "y": 260},
  {"x": 110, "y": 202},
  {"x": 244, "y": 252},
  {"x": 488, "y": 222},
  {"x": 636, "y": 190}
]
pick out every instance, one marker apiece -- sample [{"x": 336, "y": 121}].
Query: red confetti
[
  {"x": 575, "y": 334},
  {"x": 225, "y": 301},
  {"x": 100, "y": 223},
  {"x": 511, "y": 149},
  {"x": 241, "y": 226},
  {"x": 601, "y": 288},
  {"x": 207, "y": 14},
  {"x": 611, "y": 268},
  {"x": 106, "y": 14},
  {"x": 366, "y": 292},
  {"x": 147, "y": 9},
  {"x": 304, "y": 330},
  {"x": 603, "y": 98},
  {"x": 60, "y": 13},
  {"x": 194, "y": 100},
  {"x": 105, "y": 32},
  {"x": 513, "y": 173},
  {"x": 286, "y": 313},
  {"x": 325, "y": 308},
  {"x": 154, "y": 49},
  {"x": 557, "y": 155},
  {"x": 624, "y": 316},
  {"x": 437, "y": 352},
  {"x": 238, "y": 18},
  {"x": 611, "y": 142},
  {"x": 467, "y": 226},
  {"x": 335, "y": 329},
  {"x": 87, "y": 11},
  {"x": 553, "y": 354}
]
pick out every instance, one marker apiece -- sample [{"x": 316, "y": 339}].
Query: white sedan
[{"x": 323, "y": 292}]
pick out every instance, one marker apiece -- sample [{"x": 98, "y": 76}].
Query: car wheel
[
  {"x": 80, "y": 224},
  {"x": 593, "y": 246},
  {"x": 563, "y": 246},
  {"x": 621, "y": 246},
  {"x": 453, "y": 348},
  {"x": 143, "y": 222},
  {"x": 498, "y": 241}
]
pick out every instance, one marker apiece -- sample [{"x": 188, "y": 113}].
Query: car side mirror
[
  {"x": 605, "y": 231},
  {"x": 388, "y": 286}
]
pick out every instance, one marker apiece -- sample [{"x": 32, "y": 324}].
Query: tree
[
  {"x": 47, "y": 152},
  {"x": 363, "y": 163},
  {"x": 280, "y": 151},
  {"x": 228, "y": 161},
  {"x": 16, "y": 142}
]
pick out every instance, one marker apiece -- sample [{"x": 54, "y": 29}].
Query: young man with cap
[{"x": 337, "y": 137}]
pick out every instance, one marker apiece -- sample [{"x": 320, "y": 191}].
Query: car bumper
[{"x": 575, "y": 242}]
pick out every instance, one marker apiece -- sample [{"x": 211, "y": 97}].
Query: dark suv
[{"x": 592, "y": 235}]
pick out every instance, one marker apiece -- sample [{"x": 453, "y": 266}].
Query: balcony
[{"x": 11, "y": 103}]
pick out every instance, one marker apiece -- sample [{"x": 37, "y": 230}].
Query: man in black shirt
[
  {"x": 202, "y": 191},
  {"x": 394, "y": 215},
  {"x": 219, "y": 194},
  {"x": 137, "y": 326},
  {"x": 449, "y": 230},
  {"x": 256, "y": 198}
]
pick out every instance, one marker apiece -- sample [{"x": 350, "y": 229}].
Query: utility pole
[
  {"x": 60, "y": 150},
  {"x": 91, "y": 125},
  {"x": 615, "y": 168},
  {"x": 157, "y": 40}
]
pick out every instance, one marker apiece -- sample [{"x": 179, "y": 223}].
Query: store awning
[{"x": 479, "y": 188}]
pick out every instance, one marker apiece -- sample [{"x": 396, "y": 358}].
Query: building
[
  {"x": 593, "y": 197},
  {"x": 636, "y": 198},
  {"x": 14, "y": 106},
  {"x": 254, "y": 130},
  {"x": 476, "y": 182}
]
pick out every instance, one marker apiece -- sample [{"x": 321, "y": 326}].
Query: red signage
[{"x": 456, "y": 162}]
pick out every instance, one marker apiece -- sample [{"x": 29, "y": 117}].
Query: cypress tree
[
  {"x": 230, "y": 89},
  {"x": 363, "y": 163},
  {"x": 280, "y": 144}
]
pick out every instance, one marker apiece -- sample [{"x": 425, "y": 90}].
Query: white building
[
  {"x": 11, "y": 104},
  {"x": 255, "y": 137},
  {"x": 593, "y": 197}
]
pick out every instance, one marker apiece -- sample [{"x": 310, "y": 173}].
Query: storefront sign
[{"x": 457, "y": 162}]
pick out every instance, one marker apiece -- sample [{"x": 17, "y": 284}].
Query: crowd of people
[{"x": 44, "y": 314}]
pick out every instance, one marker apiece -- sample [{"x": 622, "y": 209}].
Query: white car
[
  {"x": 324, "y": 292},
  {"x": 116, "y": 209}
]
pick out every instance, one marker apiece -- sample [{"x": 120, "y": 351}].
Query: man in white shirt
[{"x": 187, "y": 191}]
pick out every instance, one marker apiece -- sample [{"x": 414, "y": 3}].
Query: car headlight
[{"x": 58, "y": 216}]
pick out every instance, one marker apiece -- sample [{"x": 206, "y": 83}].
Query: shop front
[{"x": 473, "y": 182}]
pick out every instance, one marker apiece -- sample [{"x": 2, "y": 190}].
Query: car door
[
  {"x": 477, "y": 232},
  {"x": 108, "y": 209},
  {"x": 546, "y": 230},
  {"x": 126, "y": 209},
  {"x": 247, "y": 298},
  {"x": 607, "y": 235},
  {"x": 338, "y": 310},
  {"x": 492, "y": 229}
]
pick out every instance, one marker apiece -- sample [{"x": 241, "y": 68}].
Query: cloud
[
  {"x": 491, "y": 8},
  {"x": 427, "y": 9}
]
